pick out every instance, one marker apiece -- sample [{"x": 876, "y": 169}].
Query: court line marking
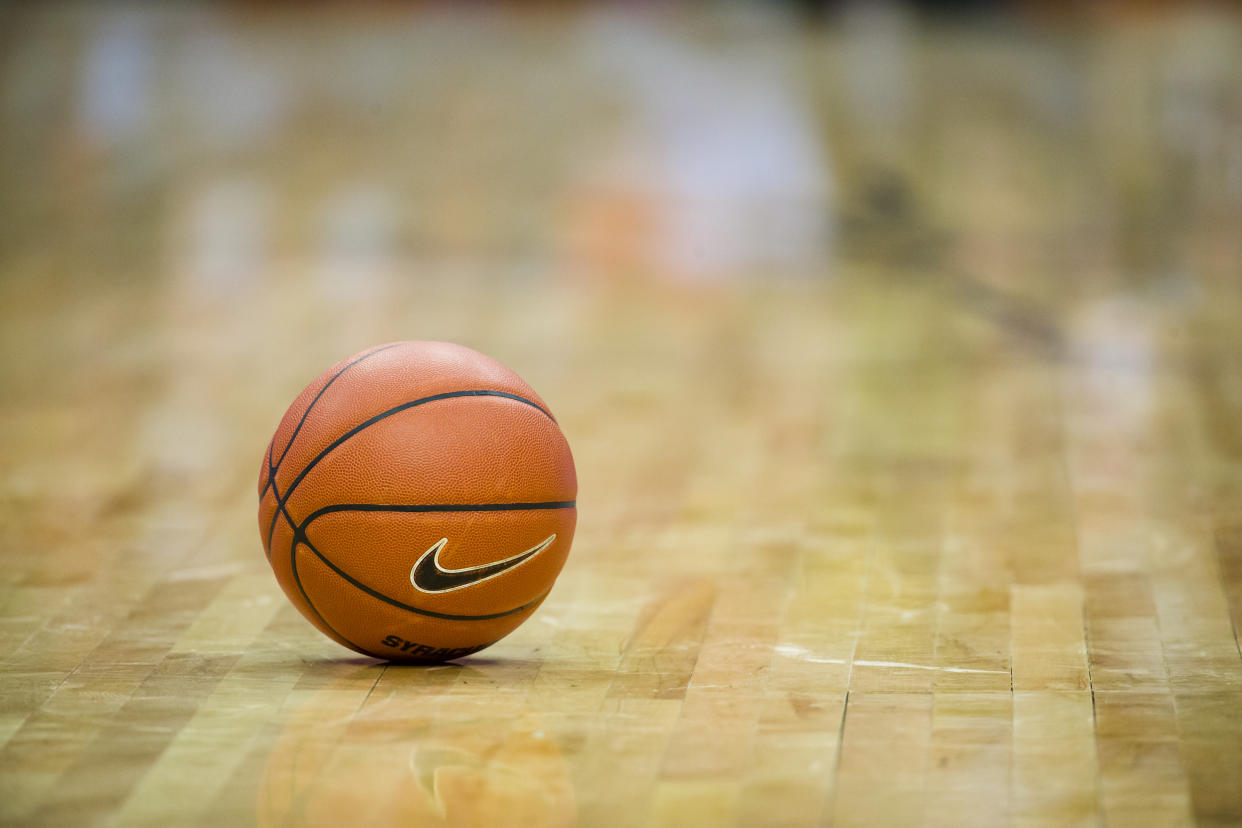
[{"x": 802, "y": 654}]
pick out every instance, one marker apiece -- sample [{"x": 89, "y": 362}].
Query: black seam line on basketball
[
  {"x": 273, "y": 467},
  {"x": 448, "y": 395},
  {"x": 298, "y": 537},
  {"x": 268, "y": 462},
  {"x": 271, "y": 470},
  {"x": 302, "y": 539},
  {"x": 326, "y": 386},
  {"x": 280, "y": 509},
  {"x": 293, "y": 567},
  {"x": 436, "y": 507}
]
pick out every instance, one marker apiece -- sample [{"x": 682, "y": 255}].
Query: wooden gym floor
[{"x": 900, "y": 361}]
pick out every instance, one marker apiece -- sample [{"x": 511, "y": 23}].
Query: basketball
[{"x": 417, "y": 501}]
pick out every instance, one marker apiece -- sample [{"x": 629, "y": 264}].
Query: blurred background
[{"x": 221, "y": 144}]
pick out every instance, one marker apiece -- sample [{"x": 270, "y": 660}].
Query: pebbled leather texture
[{"x": 392, "y": 450}]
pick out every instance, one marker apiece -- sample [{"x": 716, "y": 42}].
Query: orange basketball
[{"x": 417, "y": 501}]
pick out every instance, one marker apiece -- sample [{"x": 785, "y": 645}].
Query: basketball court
[{"x": 899, "y": 354}]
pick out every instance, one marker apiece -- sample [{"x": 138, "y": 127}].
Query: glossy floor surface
[{"x": 901, "y": 362}]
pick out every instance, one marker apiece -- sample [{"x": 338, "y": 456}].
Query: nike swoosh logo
[{"x": 429, "y": 576}]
